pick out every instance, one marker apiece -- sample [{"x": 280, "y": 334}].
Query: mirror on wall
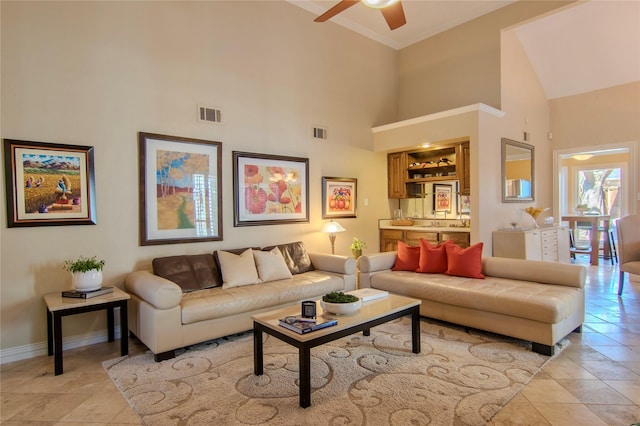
[{"x": 518, "y": 181}]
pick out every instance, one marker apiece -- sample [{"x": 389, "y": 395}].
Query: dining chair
[{"x": 628, "y": 229}]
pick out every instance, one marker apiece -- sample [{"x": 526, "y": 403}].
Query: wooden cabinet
[
  {"x": 389, "y": 238},
  {"x": 397, "y": 174},
  {"x": 413, "y": 238},
  {"x": 408, "y": 170},
  {"x": 463, "y": 239},
  {"x": 464, "y": 171},
  {"x": 546, "y": 244}
]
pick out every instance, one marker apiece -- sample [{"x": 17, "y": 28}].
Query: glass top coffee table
[{"x": 373, "y": 313}]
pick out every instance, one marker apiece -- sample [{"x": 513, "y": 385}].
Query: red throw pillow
[
  {"x": 465, "y": 262},
  {"x": 407, "y": 258},
  {"x": 433, "y": 259}
]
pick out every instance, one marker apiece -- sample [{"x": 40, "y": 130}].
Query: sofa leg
[
  {"x": 164, "y": 356},
  {"x": 542, "y": 349},
  {"x": 578, "y": 329}
]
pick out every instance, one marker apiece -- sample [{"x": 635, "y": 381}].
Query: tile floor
[{"x": 595, "y": 381}]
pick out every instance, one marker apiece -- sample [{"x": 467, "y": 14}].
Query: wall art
[
  {"x": 339, "y": 197},
  {"x": 49, "y": 184},
  {"x": 442, "y": 197},
  {"x": 180, "y": 189},
  {"x": 270, "y": 189}
]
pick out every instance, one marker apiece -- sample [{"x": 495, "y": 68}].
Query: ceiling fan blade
[
  {"x": 394, "y": 15},
  {"x": 342, "y": 6}
]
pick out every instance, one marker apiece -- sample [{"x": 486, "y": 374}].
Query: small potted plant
[
  {"x": 338, "y": 302},
  {"x": 357, "y": 246},
  {"x": 86, "y": 273}
]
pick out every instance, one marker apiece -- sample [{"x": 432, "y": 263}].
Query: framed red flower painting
[{"x": 269, "y": 189}]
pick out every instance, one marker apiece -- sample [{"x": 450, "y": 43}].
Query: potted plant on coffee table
[
  {"x": 86, "y": 273},
  {"x": 337, "y": 302}
]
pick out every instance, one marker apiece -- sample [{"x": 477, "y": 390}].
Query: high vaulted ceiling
[{"x": 587, "y": 46}]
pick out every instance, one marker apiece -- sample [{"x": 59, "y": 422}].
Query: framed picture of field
[
  {"x": 270, "y": 189},
  {"x": 49, "y": 184},
  {"x": 180, "y": 189}
]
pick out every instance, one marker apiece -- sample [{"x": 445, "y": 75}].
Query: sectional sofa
[
  {"x": 193, "y": 298},
  {"x": 541, "y": 302}
]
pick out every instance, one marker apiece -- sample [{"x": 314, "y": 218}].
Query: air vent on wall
[
  {"x": 211, "y": 115},
  {"x": 319, "y": 133}
]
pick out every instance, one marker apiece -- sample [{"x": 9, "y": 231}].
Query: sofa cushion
[
  {"x": 295, "y": 256},
  {"x": 433, "y": 259},
  {"x": 190, "y": 272},
  {"x": 547, "y": 303},
  {"x": 237, "y": 270},
  {"x": 220, "y": 302},
  {"x": 465, "y": 262},
  {"x": 408, "y": 258},
  {"x": 271, "y": 265}
]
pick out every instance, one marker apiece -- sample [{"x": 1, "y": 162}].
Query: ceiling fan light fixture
[
  {"x": 379, "y": 4},
  {"x": 581, "y": 157}
]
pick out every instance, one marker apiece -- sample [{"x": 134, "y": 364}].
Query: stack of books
[
  {"x": 77, "y": 294},
  {"x": 302, "y": 325}
]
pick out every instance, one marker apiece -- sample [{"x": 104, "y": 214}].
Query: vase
[
  {"x": 87, "y": 281},
  {"x": 356, "y": 253}
]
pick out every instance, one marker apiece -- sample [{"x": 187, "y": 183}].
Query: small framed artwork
[
  {"x": 339, "y": 197},
  {"x": 442, "y": 197},
  {"x": 269, "y": 189},
  {"x": 180, "y": 189},
  {"x": 49, "y": 184}
]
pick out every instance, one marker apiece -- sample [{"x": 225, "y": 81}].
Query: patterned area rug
[{"x": 461, "y": 377}]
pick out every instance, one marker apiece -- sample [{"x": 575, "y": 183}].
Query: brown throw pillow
[
  {"x": 295, "y": 256},
  {"x": 190, "y": 272}
]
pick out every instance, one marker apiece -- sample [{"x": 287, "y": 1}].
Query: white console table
[{"x": 546, "y": 244}]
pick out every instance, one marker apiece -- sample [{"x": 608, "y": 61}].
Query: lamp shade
[{"x": 332, "y": 227}]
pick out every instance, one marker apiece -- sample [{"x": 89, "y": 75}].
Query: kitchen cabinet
[
  {"x": 389, "y": 238},
  {"x": 545, "y": 244},
  {"x": 408, "y": 170},
  {"x": 397, "y": 174},
  {"x": 413, "y": 238}
]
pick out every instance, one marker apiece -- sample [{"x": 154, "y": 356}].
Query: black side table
[{"x": 58, "y": 307}]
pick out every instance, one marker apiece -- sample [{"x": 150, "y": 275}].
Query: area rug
[{"x": 461, "y": 377}]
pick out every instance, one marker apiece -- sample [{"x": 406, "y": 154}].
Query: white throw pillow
[
  {"x": 271, "y": 265},
  {"x": 237, "y": 270}
]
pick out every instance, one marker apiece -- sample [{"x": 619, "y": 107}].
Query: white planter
[
  {"x": 87, "y": 281},
  {"x": 342, "y": 308}
]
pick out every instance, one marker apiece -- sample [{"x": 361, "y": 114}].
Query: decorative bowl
[{"x": 342, "y": 308}]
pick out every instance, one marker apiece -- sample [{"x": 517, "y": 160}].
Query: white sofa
[
  {"x": 541, "y": 302},
  {"x": 165, "y": 316}
]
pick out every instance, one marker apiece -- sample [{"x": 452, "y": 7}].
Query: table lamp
[{"x": 332, "y": 228}]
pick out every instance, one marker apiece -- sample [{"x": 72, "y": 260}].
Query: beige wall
[
  {"x": 602, "y": 118},
  {"x": 97, "y": 73},
  {"x": 461, "y": 66}
]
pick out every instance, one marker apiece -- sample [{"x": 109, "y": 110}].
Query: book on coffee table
[
  {"x": 366, "y": 294},
  {"x": 302, "y": 326},
  {"x": 77, "y": 294}
]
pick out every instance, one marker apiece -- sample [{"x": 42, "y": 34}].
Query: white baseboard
[{"x": 18, "y": 353}]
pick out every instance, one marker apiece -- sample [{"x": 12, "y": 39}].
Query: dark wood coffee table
[{"x": 373, "y": 313}]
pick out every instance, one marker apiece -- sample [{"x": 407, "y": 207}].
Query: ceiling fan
[{"x": 391, "y": 10}]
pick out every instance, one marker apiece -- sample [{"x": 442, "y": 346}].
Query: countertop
[{"x": 424, "y": 225}]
